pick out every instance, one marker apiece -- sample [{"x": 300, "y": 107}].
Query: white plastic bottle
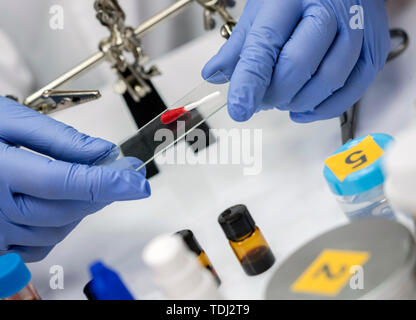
[{"x": 177, "y": 272}]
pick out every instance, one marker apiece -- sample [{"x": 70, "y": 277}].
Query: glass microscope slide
[{"x": 165, "y": 130}]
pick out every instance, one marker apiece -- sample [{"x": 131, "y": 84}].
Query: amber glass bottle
[
  {"x": 194, "y": 246},
  {"x": 246, "y": 240}
]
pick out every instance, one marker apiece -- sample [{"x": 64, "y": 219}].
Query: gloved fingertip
[
  {"x": 135, "y": 164},
  {"x": 284, "y": 107},
  {"x": 143, "y": 189},
  {"x": 142, "y": 170},
  {"x": 148, "y": 189},
  {"x": 301, "y": 117},
  {"x": 213, "y": 73},
  {"x": 205, "y": 74},
  {"x": 238, "y": 114},
  {"x": 109, "y": 156},
  {"x": 137, "y": 187},
  {"x": 129, "y": 163},
  {"x": 122, "y": 163},
  {"x": 209, "y": 69},
  {"x": 217, "y": 77}
]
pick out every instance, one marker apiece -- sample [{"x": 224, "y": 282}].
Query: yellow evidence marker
[
  {"x": 329, "y": 272},
  {"x": 358, "y": 157}
]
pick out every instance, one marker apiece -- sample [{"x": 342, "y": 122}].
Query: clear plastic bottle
[
  {"x": 354, "y": 174},
  {"x": 370, "y": 204},
  {"x": 15, "y": 279}
]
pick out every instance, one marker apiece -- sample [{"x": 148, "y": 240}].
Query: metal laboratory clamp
[
  {"x": 57, "y": 100},
  {"x": 218, "y": 6},
  {"x": 122, "y": 41}
]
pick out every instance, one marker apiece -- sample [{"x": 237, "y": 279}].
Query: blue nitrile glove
[
  {"x": 305, "y": 56},
  {"x": 42, "y": 200}
]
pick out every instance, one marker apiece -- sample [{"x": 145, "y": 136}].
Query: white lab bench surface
[{"x": 289, "y": 199}]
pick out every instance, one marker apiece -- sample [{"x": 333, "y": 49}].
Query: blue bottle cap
[
  {"x": 106, "y": 284},
  {"x": 356, "y": 166},
  {"x": 14, "y": 275}
]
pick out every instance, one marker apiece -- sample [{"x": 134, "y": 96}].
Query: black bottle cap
[
  {"x": 190, "y": 240},
  {"x": 236, "y": 222}
]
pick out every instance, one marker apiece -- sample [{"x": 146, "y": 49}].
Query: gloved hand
[
  {"x": 42, "y": 200},
  {"x": 304, "y": 56}
]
